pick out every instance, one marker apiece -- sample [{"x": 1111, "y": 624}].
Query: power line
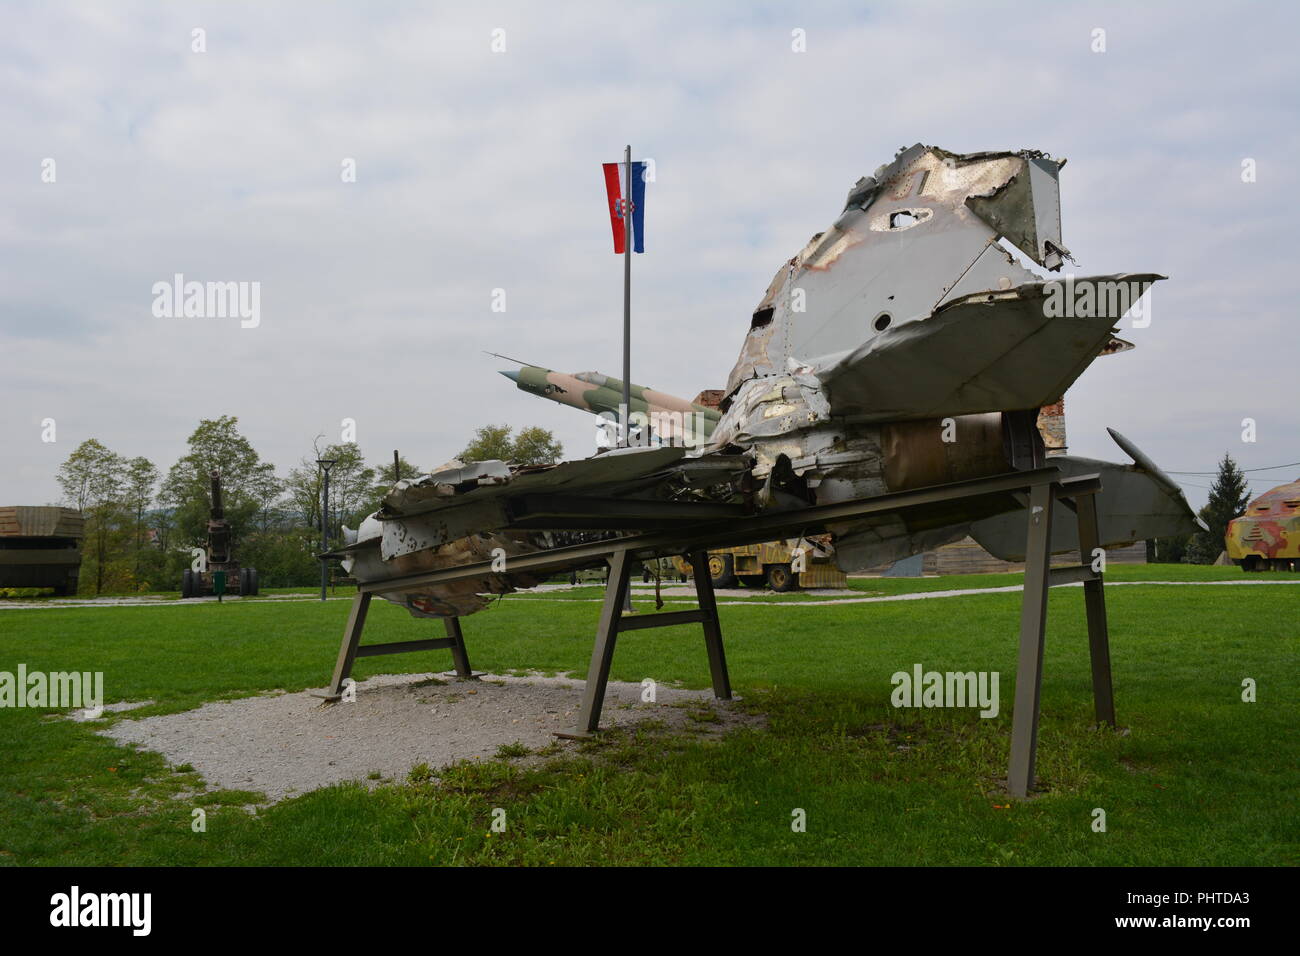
[{"x": 1269, "y": 468}]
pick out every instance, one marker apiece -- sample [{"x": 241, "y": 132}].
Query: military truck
[
  {"x": 772, "y": 565},
  {"x": 222, "y": 573},
  {"x": 40, "y": 547},
  {"x": 1267, "y": 536}
]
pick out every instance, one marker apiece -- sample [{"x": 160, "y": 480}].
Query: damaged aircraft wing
[
  {"x": 1021, "y": 357},
  {"x": 468, "y": 513}
]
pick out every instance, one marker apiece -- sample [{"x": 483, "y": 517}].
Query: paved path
[
  {"x": 152, "y": 601},
  {"x": 639, "y": 596},
  {"x": 923, "y": 595}
]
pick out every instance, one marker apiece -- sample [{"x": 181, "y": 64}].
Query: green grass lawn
[{"x": 1197, "y": 778}]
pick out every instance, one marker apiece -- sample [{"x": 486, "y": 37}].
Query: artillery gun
[{"x": 222, "y": 573}]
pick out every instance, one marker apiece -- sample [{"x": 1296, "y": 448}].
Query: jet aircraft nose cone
[{"x": 512, "y": 375}]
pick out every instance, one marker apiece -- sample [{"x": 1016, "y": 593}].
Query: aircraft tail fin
[{"x": 1137, "y": 502}]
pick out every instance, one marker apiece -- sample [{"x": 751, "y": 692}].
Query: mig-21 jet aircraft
[{"x": 904, "y": 347}]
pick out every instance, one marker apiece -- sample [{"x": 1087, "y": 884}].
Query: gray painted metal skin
[{"x": 909, "y": 313}]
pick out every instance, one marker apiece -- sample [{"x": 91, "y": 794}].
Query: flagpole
[
  {"x": 627, "y": 300},
  {"x": 627, "y": 322}
]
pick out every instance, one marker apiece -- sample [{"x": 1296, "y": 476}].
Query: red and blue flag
[{"x": 614, "y": 175}]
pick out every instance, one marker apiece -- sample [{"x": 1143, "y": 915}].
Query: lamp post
[{"x": 325, "y": 465}]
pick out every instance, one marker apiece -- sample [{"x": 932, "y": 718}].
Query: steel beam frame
[
  {"x": 352, "y": 648},
  {"x": 1039, "y": 488},
  {"x": 613, "y": 621},
  {"x": 1040, "y": 576}
]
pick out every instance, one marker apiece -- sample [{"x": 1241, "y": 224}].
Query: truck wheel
[
  {"x": 253, "y": 584},
  {"x": 187, "y": 584},
  {"x": 722, "y": 570},
  {"x": 781, "y": 578}
]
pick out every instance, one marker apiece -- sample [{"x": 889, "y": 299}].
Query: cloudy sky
[{"x": 479, "y": 170}]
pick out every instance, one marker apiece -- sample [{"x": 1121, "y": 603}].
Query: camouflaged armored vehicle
[{"x": 1267, "y": 536}]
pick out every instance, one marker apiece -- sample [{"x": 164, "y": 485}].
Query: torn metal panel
[
  {"x": 451, "y": 479},
  {"x": 426, "y": 494},
  {"x": 457, "y": 598},
  {"x": 465, "y": 514},
  {"x": 1026, "y": 210},
  {"x": 907, "y": 236}
]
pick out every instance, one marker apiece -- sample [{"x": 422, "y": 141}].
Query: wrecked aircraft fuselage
[{"x": 907, "y": 345}]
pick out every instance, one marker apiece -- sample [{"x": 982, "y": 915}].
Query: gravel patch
[
  {"x": 287, "y": 744},
  {"x": 79, "y": 714}
]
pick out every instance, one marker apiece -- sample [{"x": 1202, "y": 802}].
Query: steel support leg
[
  {"x": 1094, "y": 601},
  {"x": 1033, "y": 625},
  {"x": 458, "y": 653},
  {"x": 712, "y": 628},
  {"x": 602, "y": 655},
  {"x": 348, "y": 649}
]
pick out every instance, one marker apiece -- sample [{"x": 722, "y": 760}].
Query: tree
[
  {"x": 266, "y": 489},
  {"x": 1170, "y": 550},
  {"x": 284, "y": 557},
  {"x": 536, "y": 446},
  {"x": 216, "y": 444},
  {"x": 352, "y": 484},
  {"x": 387, "y": 477},
  {"x": 84, "y": 467},
  {"x": 1229, "y": 495},
  {"x": 491, "y": 443},
  {"x": 532, "y": 446},
  {"x": 141, "y": 477},
  {"x": 94, "y": 479}
]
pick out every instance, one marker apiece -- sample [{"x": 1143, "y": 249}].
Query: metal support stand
[
  {"x": 352, "y": 648},
  {"x": 708, "y": 603},
  {"x": 1044, "y": 486},
  {"x": 612, "y": 622},
  {"x": 459, "y": 655},
  {"x": 1039, "y": 577},
  {"x": 1094, "y": 599}
]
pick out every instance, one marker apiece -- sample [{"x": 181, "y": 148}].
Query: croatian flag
[{"x": 614, "y": 174}]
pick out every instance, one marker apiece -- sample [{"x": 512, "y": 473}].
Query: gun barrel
[{"x": 218, "y": 511}]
